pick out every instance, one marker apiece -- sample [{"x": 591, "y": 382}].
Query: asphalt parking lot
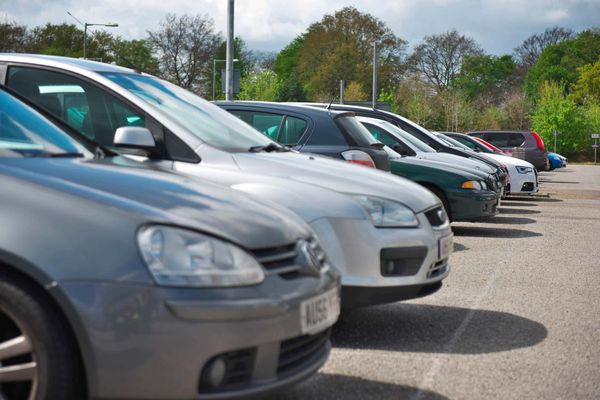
[{"x": 518, "y": 317}]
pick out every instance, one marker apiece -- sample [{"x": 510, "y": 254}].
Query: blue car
[{"x": 556, "y": 161}]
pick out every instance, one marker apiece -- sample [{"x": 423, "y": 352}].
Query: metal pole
[
  {"x": 341, "y": 91},
  {"x": 555, "y": 135},
  {"x": 214, "y": 79},
  {"x": 374, "y": 99},
  {"x": 229, "y": 69},
  {"x": 595, "y": 149},
  {"x": 85, "y": 25}
]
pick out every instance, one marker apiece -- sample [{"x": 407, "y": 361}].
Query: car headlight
[
  {"x": 524, "y": 170},
  {"x": 387, "y": 213},
  {"x": 178, "y": 257},
  {"x": 475, "y": 185}
]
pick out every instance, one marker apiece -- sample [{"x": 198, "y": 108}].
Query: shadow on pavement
[
  {"x": 481, "y": 231},
  {"x": 459, "y": 247},
  {"x": 517, "y": 211},
  {"x": 553, "y": 181},
  {"x": 335, "y": 386},
  {"x": 513, "y": 203},
  {"x": 534, "y": 198},
  {"x": 431, "y": 329},
  {"x": 509, "y": 220}
]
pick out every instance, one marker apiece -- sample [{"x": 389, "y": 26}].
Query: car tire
[
  {"x": 440, "y": 195},
  {"x": 38, "y": 359}
]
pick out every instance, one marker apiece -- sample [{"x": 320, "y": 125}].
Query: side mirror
[
  {"x": 134, "y": 137},
  {"x": 401, "y": 149}
]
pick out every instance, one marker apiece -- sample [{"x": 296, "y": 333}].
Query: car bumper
[
  {"x": 360, "y": 252},
  {"x": 146, "y": 342},
  {"x": 523, "y": 183},
  {"x": 471, "y": 205}
]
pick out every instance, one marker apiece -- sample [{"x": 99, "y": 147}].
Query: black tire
[
  {"x": 47, "y": 352},
  {"x": 440, "y": 195}
]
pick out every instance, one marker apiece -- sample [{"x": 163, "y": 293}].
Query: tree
[
  {"x": 285, "y": 66},
  {"x": 261, "y": 85},
  {"x": 587, "y": 87},
  {"x": 340, "y": 46},
  {"x": 61, "y": 40},
  {"x": 13, "y": 37},
  {"x": 486, "y": 78},
  {"x": 185, "y": 47},
  {"x": 517, "y": 110},
  {"x": 355, "y": 92},
  {"x": 530, "y": 50},
  {"x": 135, "y": 54},
  {"x": 245, "y": 62},
  {"x": 559, "y": 62},
  {"x": 439, "y": 57},
  {"x": 557, "y": 112}
]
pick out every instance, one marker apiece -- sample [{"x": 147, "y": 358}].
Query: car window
[
  {"x": 356, "y": 130},
  {"x": 24, "y": 132},
  {"x": 267, "y": 123},
  {"x": 83, "y": 106},
  {"x": 465, "y": 142},
  {"x": 498, "y": 139},
  {"x": 381, "y": 135},
  {"x": 516, "y": 140},
  {"x": 292, "y": 130}
]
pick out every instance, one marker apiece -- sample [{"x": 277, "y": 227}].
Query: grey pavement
[{"x": 518, "y": 317}]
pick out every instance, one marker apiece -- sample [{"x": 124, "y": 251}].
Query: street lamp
[
  {"x": 85, "y": 26},
  {"x": 214, "y": 75}
]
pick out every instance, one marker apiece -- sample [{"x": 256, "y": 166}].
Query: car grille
[
  {"x": 238, "y": 371},
  {"x": 527, "y": 187},
  {"x": 436, "y": 218},
  {"x": 301, "y": 350},
  {"x": 284, "y": 260}
]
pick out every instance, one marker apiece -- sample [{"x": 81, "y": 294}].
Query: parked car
[
  {"x": 556, "y": 160},
  {"x": 418, "y": 132},
  {"x": 169, "y": 127},
  {"x": 312, "y": 130},
  {"x": 490, "y": 146},
  {"x": 529, "y": 141},
  {"x": 112, "y": 272},
  {"x": 523, "y": 176}
]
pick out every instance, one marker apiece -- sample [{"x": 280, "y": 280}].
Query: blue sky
[{"x": 497, "y": 25}]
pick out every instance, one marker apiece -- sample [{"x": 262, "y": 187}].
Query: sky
[{"x": 269, "y": 25}]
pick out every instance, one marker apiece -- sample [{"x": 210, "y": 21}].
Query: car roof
[
  {"x": 284, "y": 107},
  {"x": 64, "y": 62}
]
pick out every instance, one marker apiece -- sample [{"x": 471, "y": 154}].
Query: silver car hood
[
  {"x": 508, "y": 160},
  {"x": 457, "y": 161},
  {"x": 337, "y": 175}
]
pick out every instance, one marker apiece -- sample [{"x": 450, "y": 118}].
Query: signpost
[
  {"x": 595, "y": 136},
  {"x": 555, "y": 133}
]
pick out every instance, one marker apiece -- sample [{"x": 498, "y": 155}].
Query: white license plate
[
  {"x": 320, "y": 312},
  {"x": 445, "y": 247}
]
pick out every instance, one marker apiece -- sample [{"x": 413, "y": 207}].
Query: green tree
[
  {"x": 340, "y": 46},
  {"x": 556, "y": 111},
  {"x": 135, "y": 54},
  {"x": 587, "y": 87},
  {"x": 61, "y": 40},
  {"x": 486, "y": 78},
  {"x": 355, "y": 92},
  {"x": 262, "y": 86},
  {"x": 13, "y": 37},
  {"x": 559, "y": 63},
  {"x": 245, "y": 62},
  {"x": 286, "y": 68}
]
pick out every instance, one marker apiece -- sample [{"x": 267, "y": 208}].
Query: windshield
[
  {"x": 25, "y": 133},
  {"x": 452, "y": 142},
  {"x": 208, "y": 122},
  {"x": 409, "y": 139}
]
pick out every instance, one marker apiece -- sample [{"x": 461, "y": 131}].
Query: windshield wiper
[
  {"x": 62, "y": 155},
  {"x": 268, "y": 148}
]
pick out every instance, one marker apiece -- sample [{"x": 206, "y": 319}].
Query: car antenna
[{"x": 328, "y": 108}]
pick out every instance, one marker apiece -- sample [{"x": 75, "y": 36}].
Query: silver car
[
  {"x": 389, "y": 237},
  {"x": 121, "y": 281}
]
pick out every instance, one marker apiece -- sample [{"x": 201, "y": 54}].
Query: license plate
[
  {"x": 445, "y": 247},
  {"x": 320, "y": 312}
]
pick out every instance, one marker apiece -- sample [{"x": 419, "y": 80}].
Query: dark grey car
[
  {"x": 120, "y": 281},
  {"x": 531, "y": 143}
]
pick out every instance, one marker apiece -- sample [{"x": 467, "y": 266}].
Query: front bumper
[
  {"x": 146, "y": 342},
  {"x": 357, "y": 249},
  {"x": 473, "y": 205},
  {"x": 522, "y": 183}
]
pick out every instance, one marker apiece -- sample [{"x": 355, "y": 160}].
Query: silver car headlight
[
  {"x": 178, "y": 257},
  {"x": 387, "y": 213},
  {"x": 524, "y": 170}
]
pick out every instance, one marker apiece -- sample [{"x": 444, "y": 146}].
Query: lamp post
[
  {"x": 85, "y": 26},
  {"x": 214, "y": 75},
  {"x": 374, "y": 94}
]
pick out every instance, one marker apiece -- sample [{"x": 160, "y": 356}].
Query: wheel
[
  {"x": 37, "y": 356},
  {"x": 440, "y": 195}
]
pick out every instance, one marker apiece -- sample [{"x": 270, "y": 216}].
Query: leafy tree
[
  {"x": 287, "y": 59},
  {"x": 439, "y": 57},
  {"x": 486, "y": 78},
  {"x": 262, "y": 86},
  {"x": 135, "y": 54},
  {"x": 517, "y": 109},
  {"x": 557, "y": 112},
  {"x": 62, "y": 40},
  {"x": 491, "y": 118},
  {"x": 340, "y": 46},
  {"x": 529, "y": 51},
  {"x": 559, "y": 63},
  {"x": 245, "y": 63},
  {"x": 355, "y": 92},
  {"x": 587, "y": 87},
  {"x": 291, "y": 89},
  {"x": 13, "y": 37},
  {"x": 185, "y": 47}
]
